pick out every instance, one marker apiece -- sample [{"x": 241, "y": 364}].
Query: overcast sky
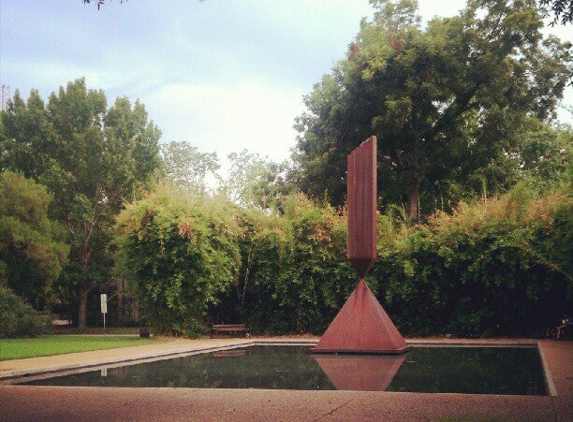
[{"x": 222, "y": 75}]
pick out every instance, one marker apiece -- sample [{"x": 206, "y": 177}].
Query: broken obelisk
[{"x": 362, "y": 325}]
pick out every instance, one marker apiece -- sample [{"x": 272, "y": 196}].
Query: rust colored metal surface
[
  {"x": 361, "y": 202},
  {"x": 360, "y": 372},
  {"x": 362, "y": 326}
]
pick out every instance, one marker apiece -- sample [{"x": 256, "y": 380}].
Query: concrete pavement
[{"x": 31, "y": 403}]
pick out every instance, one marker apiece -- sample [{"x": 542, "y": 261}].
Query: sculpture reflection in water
[{"x": 360, "y": 372}]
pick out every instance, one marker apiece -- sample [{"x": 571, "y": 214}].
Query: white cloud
[{"x": 250, "y": 115}]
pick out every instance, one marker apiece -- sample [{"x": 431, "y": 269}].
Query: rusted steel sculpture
[
  {"x": 362, "y": 325},
  {"x": 361, "y": 203}
]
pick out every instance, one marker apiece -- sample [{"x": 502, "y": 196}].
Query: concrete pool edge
[
  {"x": 58, "y": 363},
  {"x": 67, "y": 404},
  {"x": 52, "y": 365},
  {"x": 7, "y": 376},
  {"x": 55, "y": 364},
  {"x": 15, "y": 376},
  {"x": 551, "y": 390}
]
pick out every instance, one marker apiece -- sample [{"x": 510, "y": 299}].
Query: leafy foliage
[
  {"x": 545, "y": 154},
  {"x": 497, "y": 267},
  {"x": 446, "y": 102},
  {"x": 295, "y": 276},
  {"x": 255, "y": 181},
  {"x": 178, "y": 255},
  {"x": 245, "y": 171},
  {"x": 17, "y": 317},
  {"x": 187, "y": 168},
  {"x": 500, "y": 266},
  {"x": 92, "y": 159},
  {"x": 562, "y": 9},
  {"x": 32, "y": 248}
]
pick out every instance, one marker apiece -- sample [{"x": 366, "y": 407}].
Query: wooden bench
[{"x": 230, "y": 329}]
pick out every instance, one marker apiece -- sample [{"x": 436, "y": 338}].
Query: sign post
[{"x": 103, "y": 307}]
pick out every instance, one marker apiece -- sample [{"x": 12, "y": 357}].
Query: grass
[
  {"x": 69, "y": 329},
  {"x": 22, "y": 348}
]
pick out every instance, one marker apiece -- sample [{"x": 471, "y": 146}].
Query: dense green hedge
[
  {"x": 498, "y": 267},
  {"x": 295, "y": 275},
  {"x": 178, "y": 254}
]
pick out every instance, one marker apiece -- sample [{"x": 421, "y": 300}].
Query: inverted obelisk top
[{"x": 361, "y": 199}]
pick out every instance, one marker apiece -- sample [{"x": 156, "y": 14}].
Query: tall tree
[
  {"x": 32, "y": 247},
  {"x": 545, "y": 154},
  {"x": 273, "y": 187},
  {"x": 92, "y": 159},
  {"x": 257, "y": 182},
  {"x": 187, "y": 168},
  {"x": 246, "y": 171},
  {"x": 446, "y": 101}
]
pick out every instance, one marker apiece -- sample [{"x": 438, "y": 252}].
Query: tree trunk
[
  {"x": 82, "y": 307},
  {"x": 85, "y": 285},
  {"x": 414, "y": 202}
]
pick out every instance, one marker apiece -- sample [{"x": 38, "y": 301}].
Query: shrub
[
  {"x": 501, "y": 266},
  {"x": 498, "y": 267},
  {"x": 295, "y": 275},
  {"x": 178, "y": 255},
  {"x": 17, "y": 317}
]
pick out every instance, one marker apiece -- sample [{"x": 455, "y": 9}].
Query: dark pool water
[{"x": 424, "y": 369}]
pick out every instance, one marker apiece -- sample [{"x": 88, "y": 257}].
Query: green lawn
[{"x": 57, "y": 345}]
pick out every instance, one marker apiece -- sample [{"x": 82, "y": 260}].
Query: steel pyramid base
[{"x": 362, "y": 326}]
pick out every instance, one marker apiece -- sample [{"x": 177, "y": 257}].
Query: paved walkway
[{"x": 62, "y": 404}]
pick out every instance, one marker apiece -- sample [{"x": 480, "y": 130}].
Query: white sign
[{"x": 104, "y": 304}]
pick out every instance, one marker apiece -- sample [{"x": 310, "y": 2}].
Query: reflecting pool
[{"x": 473, "y": 370}]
